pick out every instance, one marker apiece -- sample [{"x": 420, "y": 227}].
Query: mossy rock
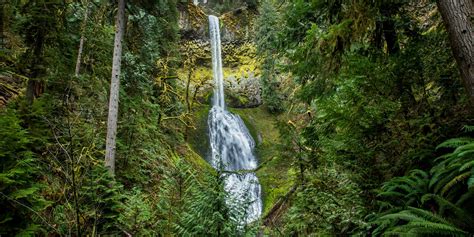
[
  {"x": 198, "y": 138},
  {"x": 237, "y": 100}
]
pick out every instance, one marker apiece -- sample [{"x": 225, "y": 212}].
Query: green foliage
[
  {"x": 207, "y": 213},
  {"x": 225, "y": 6},
  {"x": 438, "y": 202},
  {"x": 20, "y": 198},
  {"x": 266, "y": 40},
  {"x": 406, "y": 190},
  {"x": 101, "y": 202},
  {"x": 329, "y": 202},
  {"x": 419, "y": 223},
  {"x": 60, "y": 136},
  {"x": 368, "y": 89},
  {"x": 138, "y": 216},
  {"x": 374, "y": 92}
]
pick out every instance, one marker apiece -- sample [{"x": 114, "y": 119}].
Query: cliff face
[
  {"x": 239, "y": 54},
  {"x": 218, "y": 7},
  {"x": 236, "y": 21}
]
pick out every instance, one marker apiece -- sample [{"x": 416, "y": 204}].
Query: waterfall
[{"x": 232, "y": 146}]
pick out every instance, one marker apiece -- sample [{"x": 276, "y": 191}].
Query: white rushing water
[{"x": 231, "y": 144}]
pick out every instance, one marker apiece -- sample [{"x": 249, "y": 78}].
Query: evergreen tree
[
  {"x": 20, "y": 192},
  {"x": 211, "y": 210},
  {"x": 267, "y": 41}
]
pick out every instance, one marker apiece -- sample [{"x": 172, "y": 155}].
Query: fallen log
[
  {"x": 278, "y": 208},
  {"x": 9, "y": 88}
]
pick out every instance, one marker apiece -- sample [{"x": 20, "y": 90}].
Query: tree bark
[
  {"x": 458, "y": 16},
  {"x": 388, "y": 29},
  {"x": 190, "y": 74},
  {"x": 114, "y": 89},
  {"x": 35, "y": 86},
  {"x": 81, "y": 42}
]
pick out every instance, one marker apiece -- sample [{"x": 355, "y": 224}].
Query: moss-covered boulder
[{"x": 243, "y": 92}]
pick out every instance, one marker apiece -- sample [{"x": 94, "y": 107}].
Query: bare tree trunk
[
  {"x": 81, "y": 42},
  {"x": 114, "y": 89},
  {"x": 458, "y": 16}
]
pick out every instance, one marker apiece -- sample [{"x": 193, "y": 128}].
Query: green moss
[
  {"x": 195, "y": 136},
  {"x": 197, "y": 160}
]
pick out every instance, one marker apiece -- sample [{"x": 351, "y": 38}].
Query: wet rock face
[
  {"x": 243, "y": 92},
  {"x": 237, "y": 20},
  {"x": 242, "y": 87}
]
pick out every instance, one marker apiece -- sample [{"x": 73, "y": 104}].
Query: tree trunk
[
  {"x": 81, "y": 42},
  {"x": 114, "y": 89},
  {"x": 35, "y": 86},
  {"x": 190, "y": 74},
  {"x": 458, "y": 16},
  {"x": 388, "y": 29}
]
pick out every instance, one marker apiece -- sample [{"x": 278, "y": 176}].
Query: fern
[
  {"x": 444, "y": 205},
  {"x": 446, "y": 190},
  {"x": 455, "y": 142},
  {"x": 427, "y": 228},
  {"x": 467, "y": 165},
  {"x": 470, "y": 181},
  {"x": 403, "y": 215},
  {"x": 417, "y": 221},
  {"x": 451, "y": 171},
  {"x": 458, "y": 179},
  {"x": 412, "y": 187},
  {"x": 427, "y": 215},
  {"x": 465, "y": 198}
]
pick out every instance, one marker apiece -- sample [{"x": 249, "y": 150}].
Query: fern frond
[
  {"x": 435, "y": 229},
  {"x": 427, "y": 215},
  {"x": 445, "y": 178},
  {"x": 424, "y": 227},
  {"x": 467, "y": 165},
  {"x": 465, "y": 197},
  {"x": 460, "y": 178},
  {"x": 468, "y": 128},
  {"x": 463, "y": 150},
  {"x": 454, "y": 142},
  {"x": 403, "y": 215},
  {"x": 444, "y": 205},
  {"x": 470, "y": 181},
  {"x": 397, "y": 232},
  {"x": 390, "y": 194},
  {"x": 419, "y": 173}
]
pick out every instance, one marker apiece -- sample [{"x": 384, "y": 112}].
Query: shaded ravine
[{"x": 232, "y": 146}]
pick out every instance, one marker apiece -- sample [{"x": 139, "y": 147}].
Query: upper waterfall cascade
[{"x": 232, "y": 146}]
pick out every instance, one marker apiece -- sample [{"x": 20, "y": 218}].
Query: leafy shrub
[{"x": 329, "y": 202}]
